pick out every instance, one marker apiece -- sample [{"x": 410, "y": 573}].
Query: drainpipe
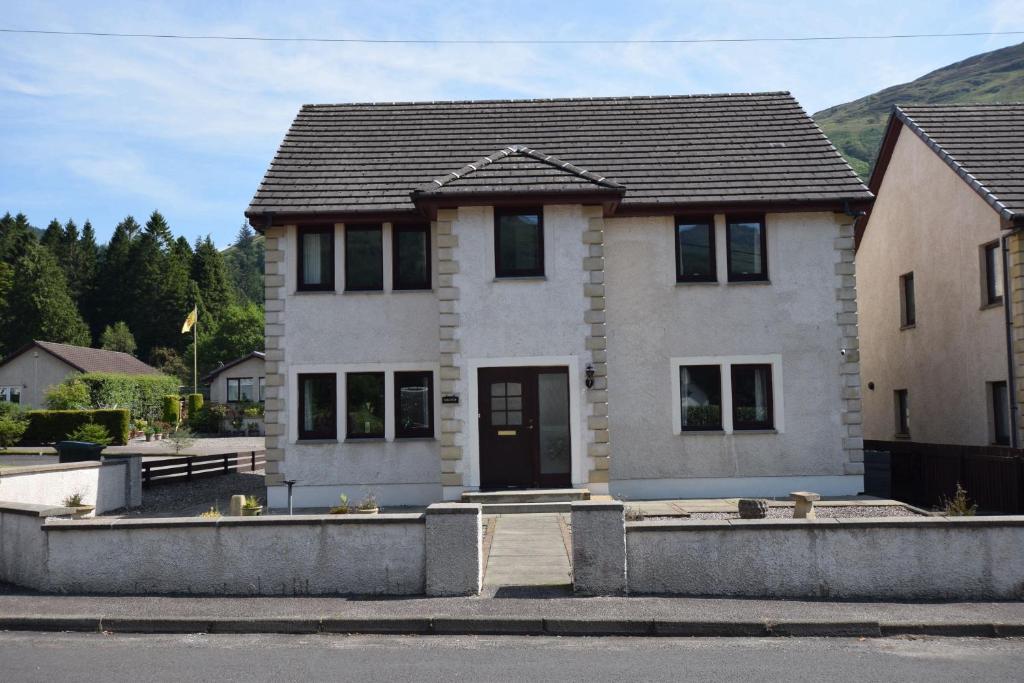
[{"x": 1011, "y": 378}]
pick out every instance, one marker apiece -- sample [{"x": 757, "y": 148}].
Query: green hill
[{"x": 856, "y": 127}]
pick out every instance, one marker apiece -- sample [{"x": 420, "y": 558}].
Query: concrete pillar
[
  {"x": 454, "y": 549},
  {"x": 598, "y": 547},
  {"x": 132, "y": 479}
]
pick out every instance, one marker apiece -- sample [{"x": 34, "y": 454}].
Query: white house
[
  {"x": 242, "y": 380},
  {"x": 648, "y": 296}
]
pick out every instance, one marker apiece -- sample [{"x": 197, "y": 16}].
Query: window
[
  {"x": 747, "y": 247},
  {"x": 1000, "y": 398},
  {"x": 908, "y": 304},
  {"x": 414, "y": 404},
  {"x": 316, "y": 258},
  {"x": 992, "y": 265},
  {"x": 411, "y": 257},
  {"x": 10, "y": 394},
  {"x": 240, "y": 390},
  {"x": 263, "y": 389},
  {"x": 752, "y": 397},
  {"x": 518, "y": 243},
  {"x": 700, "y": 397},
  {"x": 364, "y": 258},
  {"x": 695, "y": 250},
  {"x": 506, "y": 404},
  {"x": 902, "y": 400},
  {"x": 365, "y": 405},
  {"x": 318, "y": 407}
]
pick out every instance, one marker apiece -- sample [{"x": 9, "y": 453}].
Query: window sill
[
  {"x": 315, "y": 442},
  {"x": 908, "y": 327},
  {"x": 742, "y": 432},
  {"x": 901, "y": 437},
  {"x": 314, "y": 292},
  {"x": 697, "y": 283},
  {"x": 403, "y": 439},
  {"x": 993, "y": 304},
  {"x": 364, "y": 439},
  {"x": 519, "y": 278},
  {"x": 417, "y": 290},
  {"x": 749, "y": 282},
  {"x": 702, "y": 432},
  {"x": 350, "y": 292}
]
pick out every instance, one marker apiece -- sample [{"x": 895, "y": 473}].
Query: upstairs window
[
  {"x": 518, "y": 243},
  {"x": 414, "y": 404},
  {"x": 700, "y": 394},
  {"x": 908, "y": 302},
  {"x": 316, "y": 258},
  {"x": 318, "y": 407},
  {"x": 747, "y": 243},
  {"x": 364, "y": 258},
  {"x": 752, "y": 397},
  {"x": 695, "y": 250},
  {"x": 902, "y": 402},
  {"x": 365, "y": 405},
  {"x": 411, "y": 257},
  {"x": 992, "y": 267}
]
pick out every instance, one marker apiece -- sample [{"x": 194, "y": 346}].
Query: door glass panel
[
  {"x": 553, "y": 422},
  {"x": 498, "y": 389},
  {"x": 497, "y": 403},
  {"x": 514, "y": 389}
]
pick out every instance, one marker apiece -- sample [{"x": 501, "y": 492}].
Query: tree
[
  {"x": 245, "y": 259},
  {"x": 16, "y": 236},
  {"x": 170, "y": 362},
  {"x": 210, "y": 275},
  {"x": 53, "y": 236},
  {"x": 13, "y": 423},
  {"x": 157, "y": 227},
  {"x": 40, "y": 304},
  {"x": 112, "y": 274},
  {"x": 88, "y": 267},
  {"x": 118, "y": 337},
  {"x": 238, "y": 331}
]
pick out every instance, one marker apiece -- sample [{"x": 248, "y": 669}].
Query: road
[{"x": 59, "y": 656}]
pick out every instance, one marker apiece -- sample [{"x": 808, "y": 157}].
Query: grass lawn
[{"x": 34, "y": 450}]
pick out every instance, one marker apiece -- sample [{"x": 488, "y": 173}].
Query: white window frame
[
  {"x": 725, "y": 364},
  {"x": 7, "y": 390}
]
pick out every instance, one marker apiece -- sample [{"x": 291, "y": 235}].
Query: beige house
[
  {"x": 26, "y": 374},
  {"x": 242, "y": 380},
  {"x": 939, "y": 359}
]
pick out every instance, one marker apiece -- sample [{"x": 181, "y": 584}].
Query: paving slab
[{"x": 527, "y": 550}]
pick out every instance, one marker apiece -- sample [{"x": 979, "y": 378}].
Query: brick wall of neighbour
[{"x": 274, "y": 415}]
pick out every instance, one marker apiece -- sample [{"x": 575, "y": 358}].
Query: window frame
[
  {"x": 743, "y": 426},
  {"x": 420, "y": 433},
  {"x": 499, "y": 213},
  {"x": 709, "y": 220},
  {"x": 238, "y": 393},
  {"x": 721, "y": 400},
  {"x": 300, "y": 284},
  {"x": 396, "y": 230},
  {"x": 363, "y": 227},
  {"x": 908, "y": 306},
  {"x": 992, "y": 278},
  {"x": 901, "y": 405},
  {"x": 261, "y": 389},
  {"x": 384, "y": 408},
  {"x": 994, "y": 391},
  {"x": 304, "y": 435},
  {"x": 730, "y": 220},
  {"x": 9, "y": 390}
]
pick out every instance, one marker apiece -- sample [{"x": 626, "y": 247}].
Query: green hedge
[
  {"x": 172, "y": 409},
  {"x": 142, "y": 395},
  {"x": 49, "y": 426},
  {"x": 195, "y": 404}
]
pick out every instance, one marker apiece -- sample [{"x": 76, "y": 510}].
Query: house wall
[
  {"x": 929, "y": 221},
  {"x": 254, "y": 368},
  {"x": 35, "y": 371},
  {"x": 801, "y": 321}
]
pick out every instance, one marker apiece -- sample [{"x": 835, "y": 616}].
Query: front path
[{"x": 527, "y": 551}]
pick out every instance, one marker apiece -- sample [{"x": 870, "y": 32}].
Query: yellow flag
[{"x": 190, "y": 321}]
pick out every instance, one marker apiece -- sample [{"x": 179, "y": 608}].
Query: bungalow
[
  {"x": 943, "y": 344},
  {"x": 241, "y": 380},
  {"x": 649, "y": 296},
  {"x": 27, "y": 373}
]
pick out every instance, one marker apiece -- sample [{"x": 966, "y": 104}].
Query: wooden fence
[
  {"x": 923, "y": 474},
  {"x": 188, "y": 467}
]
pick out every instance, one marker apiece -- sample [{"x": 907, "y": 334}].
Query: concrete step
[
  {"x": 523, "y": 508},
  {"x": 526, "y": 496}
]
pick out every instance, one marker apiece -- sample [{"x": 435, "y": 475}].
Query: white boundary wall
[{"x": 110, "y": 485}]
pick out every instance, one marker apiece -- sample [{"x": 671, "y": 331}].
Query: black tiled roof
[
  {"x": 984, "y": 143},
  {"x": 701, "y": 149}
]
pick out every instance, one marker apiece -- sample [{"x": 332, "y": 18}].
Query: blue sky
[{"x": 100, "y": 128}]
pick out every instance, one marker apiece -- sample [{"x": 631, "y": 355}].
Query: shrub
[
  {"x": 48, "y": 426},
  {"x": 172, "y": 409},
  {"x": 91, "y": 432},
  {"x": 181, "y": 439},
  {"x": 13, "y": 424},
  {"x": 71, "y": 394},
  {"x": 195, "y": 403},
  {"x": 74, "y": 500},
  {"x": 142, "y": 395},
  {"x": 209, "y": 418},
  {"x": 959, "y": 505}
]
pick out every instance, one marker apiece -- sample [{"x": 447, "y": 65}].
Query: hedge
[
  {"x": 172, "y": 409},
  {"x": 195, "y": 403},
  {"x": 142, "y": 395},
  {"x": 48, "y": 426}
]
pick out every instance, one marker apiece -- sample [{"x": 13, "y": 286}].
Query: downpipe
[{"x": 1011, "y": 378}]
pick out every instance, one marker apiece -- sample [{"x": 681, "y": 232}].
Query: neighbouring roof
[
  {"x": 230, "y": 364},
  {"x": 982, "y": 143},
  {"x": 700, "y": 150},
  {"x": 85, "y": 359}
]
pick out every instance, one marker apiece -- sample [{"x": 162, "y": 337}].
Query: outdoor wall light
[{"x": 590, "y": 376}]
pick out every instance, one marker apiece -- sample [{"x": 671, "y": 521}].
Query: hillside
[{"x": 856, "y": 127}]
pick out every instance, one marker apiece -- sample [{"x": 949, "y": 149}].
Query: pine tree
[
  {"x": 38, "y": 299},
  {"x": 89, "y": 257},
  {"x": 118, "y": 337},
  {"x": 16, "y": 236},
  {"x": 53, "y": 236},
  {"x": 245, "y": 265},
  {"x": 112, "y": 273},
  {"x": 210, "y": 275},
  {"x": 157, "y": 227}
]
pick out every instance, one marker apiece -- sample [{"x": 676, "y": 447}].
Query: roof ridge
[{"x": 527, "y": 100}]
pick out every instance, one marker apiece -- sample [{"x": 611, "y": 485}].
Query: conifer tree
[
  {"x": 118, "y": 337},
  {"x": 210, "y": 275}
]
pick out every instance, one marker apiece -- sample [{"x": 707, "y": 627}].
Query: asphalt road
[{"x": 57, "y": 656}]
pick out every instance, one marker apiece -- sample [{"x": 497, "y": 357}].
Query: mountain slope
[{"x": 856, "y": 127}]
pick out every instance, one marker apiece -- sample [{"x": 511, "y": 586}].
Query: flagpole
[{"x": 195, "y": 356}]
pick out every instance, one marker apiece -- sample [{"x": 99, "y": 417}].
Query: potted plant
[
  {"x": 78, "y": 506},
  {"x": 252, "y": 507},
  {"x": 149, "y": 432},
  {"x": 368, "y": 505},
  {"x": 343, "y": 508}
]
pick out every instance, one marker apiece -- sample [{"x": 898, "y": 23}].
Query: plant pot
[
  {"x": 149, "y": 437},
  {"x": 252, "y": 512},
  {"x": 340, "y": 511},
  {"x": 752, "y": 508},
  {"x": 366, "y": 511}
]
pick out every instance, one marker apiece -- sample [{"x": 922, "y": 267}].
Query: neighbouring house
[
  {"x": 939, "y": 359},
  {"x": 239, "y": 381},
  {"x": 27, "y": 373},
  {"x": 652, "y": 296}
]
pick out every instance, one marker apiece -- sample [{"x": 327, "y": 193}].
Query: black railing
[{"x": 188, "y": 467}]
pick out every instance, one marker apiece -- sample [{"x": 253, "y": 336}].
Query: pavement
[
  {"x": 527, "y": 551},
  {"x": 114, "y": 657},
  {"x": 521, "y": 613}
]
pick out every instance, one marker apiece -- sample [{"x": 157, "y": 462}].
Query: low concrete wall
[
  {"x": 963, "y": 558},
  {"x": 598, "y": 547},
  {"x": 113, "y": 484},
  {"x": 437, "y": 553}
]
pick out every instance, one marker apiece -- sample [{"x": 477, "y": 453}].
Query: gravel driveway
[
  {"x": 823, "y": 512},
  {"x": 188, "y": 499}
]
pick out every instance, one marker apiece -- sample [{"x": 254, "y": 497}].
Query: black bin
[{"x": 78, "y": 451}]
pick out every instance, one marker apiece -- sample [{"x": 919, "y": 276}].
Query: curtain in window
[
  {"x": 761, "y": 394},
  {"x": 312, "y": 248},
  {"x": 309, "y": 403}
]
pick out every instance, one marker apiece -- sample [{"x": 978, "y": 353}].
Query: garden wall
[
  {"x": 437, "y": 553},
  {"x": 959, "y": 558},
  {"x": 110, "y": 485}
]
